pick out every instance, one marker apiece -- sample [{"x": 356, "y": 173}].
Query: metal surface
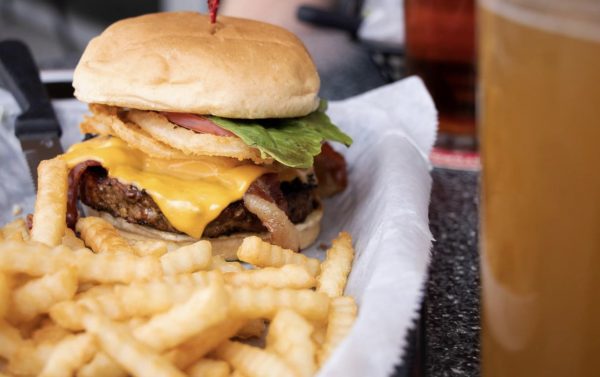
[{"x": 38, "y": 148}]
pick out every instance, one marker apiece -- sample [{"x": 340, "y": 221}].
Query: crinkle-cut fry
[
  {"x": 193, "y": 143},
  {"x": 5, "y": 288},
  {"x": 154, "y": 248},
  {"x": 290, "y": 337},
  {"x": 336, "y": 267},
  {"x": 250, "y": 303},
  {"x": 318, "y": 335},
  {"x": 205, "y": 308},
  {"x": 101, "y": 236},
  {"x": 101, "y": 365},
  {"x": 288, "y": 276},
  {"x": 49, "y": 332},
  {"x": 253, "y": 361},
  {"x": 190, "y": 258},
  {"x": 219, "y": 263},
  {"x": 198, "y": 278},
  {"x": 237, "y": 373},
  {"x": 254, "y": 328},
  {"x": 69, "y": 355},
  {"x": 134, "y": 356},
  {"x": 92, "y": 290},
  {"x": 195, "y": 348},
  {"x": 15, "y": 230},
  {"x": 33, "y": 259},
  {"x": 115, "y": 268},
  {"x": 341, "y": 318},
  {"x": 255, "y": 251},
  {"x": 209, "y": 368},
  {"x": 10, "y": 339},
  {"x": 38, "y": 295},
  {"x": 29, "y": 358},
  {"x": 71, "y": 240},
  {"x": 50, "y": 213},
  {"x": 68, "y": 314}
]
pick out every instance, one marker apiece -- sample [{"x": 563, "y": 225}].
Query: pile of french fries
[{"x": 102, "y": 305}]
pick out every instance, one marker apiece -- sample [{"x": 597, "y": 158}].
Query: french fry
[
  {"x": 4, "y": 293},
  {"x": 33, "y": 259},
  {"x": 237, "y": 373},
  {"x": 115, "y": 268},
  {"x": 190, "y": 258},
  {"x": 71, "y": 240},
  {"x": 219, "y": 263},
  {"x": 69, "y": 355},
  {"x": 10, "y": 340},
  {"x": 195, "y": 348},
  {"x": 49, "y": 332},
  {"x": 101, "y": 365},
  {"x": 198, "y": 278},
  {"x": 318, "y": 335},
  {"x": 154, "y": 248},
  {"x": 49, "y": 217},
  {"x": 253, "y": 361},
  {"x": 255, "y": 251},
  {"x": 39, "y": 295},
  {"x": 288, "y": 276},
  {"x": 101, "y": 236},
  {"x": 206, "y": 307},
  {"x": 290, "y": 338},
  {"x": 29, "y": 358},
  {"x": 254, "y": 328},
  {"x": 68, "y": 314},
  {"x": 15, "y": 230},
  {"x": 265, "y": 302},
  {"x": 336, "y": 267},
  {"x": 134, "y": 356},
  {"x": 341, "y": 318},
  {"x": 209, "y": 368}
]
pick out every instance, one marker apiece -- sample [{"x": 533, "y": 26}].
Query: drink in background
[
  {"x": 540, "y": 134},
  {"x": 440, "y": 48}
]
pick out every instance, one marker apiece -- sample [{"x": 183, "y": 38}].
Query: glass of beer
[{"x": 539, "y": 65}]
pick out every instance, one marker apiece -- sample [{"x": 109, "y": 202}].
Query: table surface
[{"x": 445, "y": 341}]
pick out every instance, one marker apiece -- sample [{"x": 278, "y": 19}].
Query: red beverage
[{"x": 440, "y": 48}]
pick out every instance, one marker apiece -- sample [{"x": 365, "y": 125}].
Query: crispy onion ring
[
  {"x": 283, "y": 232},
  {"x": 192, "y": 143}
]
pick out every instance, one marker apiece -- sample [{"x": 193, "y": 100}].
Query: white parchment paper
[{"x": 384, "y": 208}]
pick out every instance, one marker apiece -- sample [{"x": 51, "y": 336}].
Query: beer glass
[{"x": 539, "y": 65}]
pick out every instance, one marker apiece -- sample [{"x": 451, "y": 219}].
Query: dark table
[{"x": 445, "y": 341}]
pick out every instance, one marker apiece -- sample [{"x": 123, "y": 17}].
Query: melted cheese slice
[{"x": 190, "y": 193}]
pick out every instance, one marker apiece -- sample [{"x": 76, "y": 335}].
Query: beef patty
[{"x": 103, "y": 193}]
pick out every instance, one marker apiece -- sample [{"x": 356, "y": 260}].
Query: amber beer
[
  {"x": 540, "y": 134},
  {"x": 440, "y": 48}
]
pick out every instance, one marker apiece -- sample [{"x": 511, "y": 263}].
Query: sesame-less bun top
[{"x": 179, "y": 62}]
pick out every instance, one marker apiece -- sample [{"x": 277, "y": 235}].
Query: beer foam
[{"x": 582, "y": 22}]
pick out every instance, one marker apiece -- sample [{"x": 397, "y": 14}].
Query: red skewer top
[{"x": 213, "y": 7}]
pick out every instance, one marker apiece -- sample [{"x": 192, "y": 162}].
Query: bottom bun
[{"x": 225, "y": 246}]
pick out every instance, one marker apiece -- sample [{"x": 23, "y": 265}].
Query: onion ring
[{"x": 282, "y": 231}]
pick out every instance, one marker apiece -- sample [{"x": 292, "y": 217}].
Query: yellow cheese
[{"x": 190, "y": 193}]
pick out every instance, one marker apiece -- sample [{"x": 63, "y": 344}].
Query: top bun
[{"x": 179, "y": 62}]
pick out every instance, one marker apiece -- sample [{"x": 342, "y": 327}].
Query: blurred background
[{"x": 57, "y": 31}]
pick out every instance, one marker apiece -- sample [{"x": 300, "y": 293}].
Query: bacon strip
[{"x": 72, "y": 196}]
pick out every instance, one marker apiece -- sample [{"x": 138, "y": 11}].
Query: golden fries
[
  {"x": 290, "y": 338},
  {"x": 49, "y": 218},
  {"x": 69, "y": 355},
  {"x": 37, "y": 296},
  {"x": 335, "y": 269},
  {"x": 101, "y": 236},
  {"x": 194, "y": 257},
  {"x": 209, "y": 368},
  {"x": 177, "y": 310},
  {"x": 255, "y": 251},
  {"x": 253, "y": 361},
  {"x": 288, "y": 276},
  {"x": 133, "y": 355},
  {"x": 341, "y": 318},
  {"x": 265, "y": 302}
]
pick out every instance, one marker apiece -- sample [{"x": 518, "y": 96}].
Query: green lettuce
[{"x": 292, "y": 141}]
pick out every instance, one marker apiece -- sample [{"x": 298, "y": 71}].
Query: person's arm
[{"x": 278, "y": 12}]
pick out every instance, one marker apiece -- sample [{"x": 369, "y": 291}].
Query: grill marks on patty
[{"x": 103, "y": 193}]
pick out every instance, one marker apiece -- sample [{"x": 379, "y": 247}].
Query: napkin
[{"x": 385, "y": 209}]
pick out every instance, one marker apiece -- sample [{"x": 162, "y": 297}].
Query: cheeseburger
[{"x": 211, "y": 131}]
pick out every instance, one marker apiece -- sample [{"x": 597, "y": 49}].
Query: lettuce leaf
[{"x": 292, "y": 141}]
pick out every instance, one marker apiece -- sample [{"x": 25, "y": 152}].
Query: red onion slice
[
  {"x": 196, "y": 123},
  {"x": 283, "y": 232}
]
